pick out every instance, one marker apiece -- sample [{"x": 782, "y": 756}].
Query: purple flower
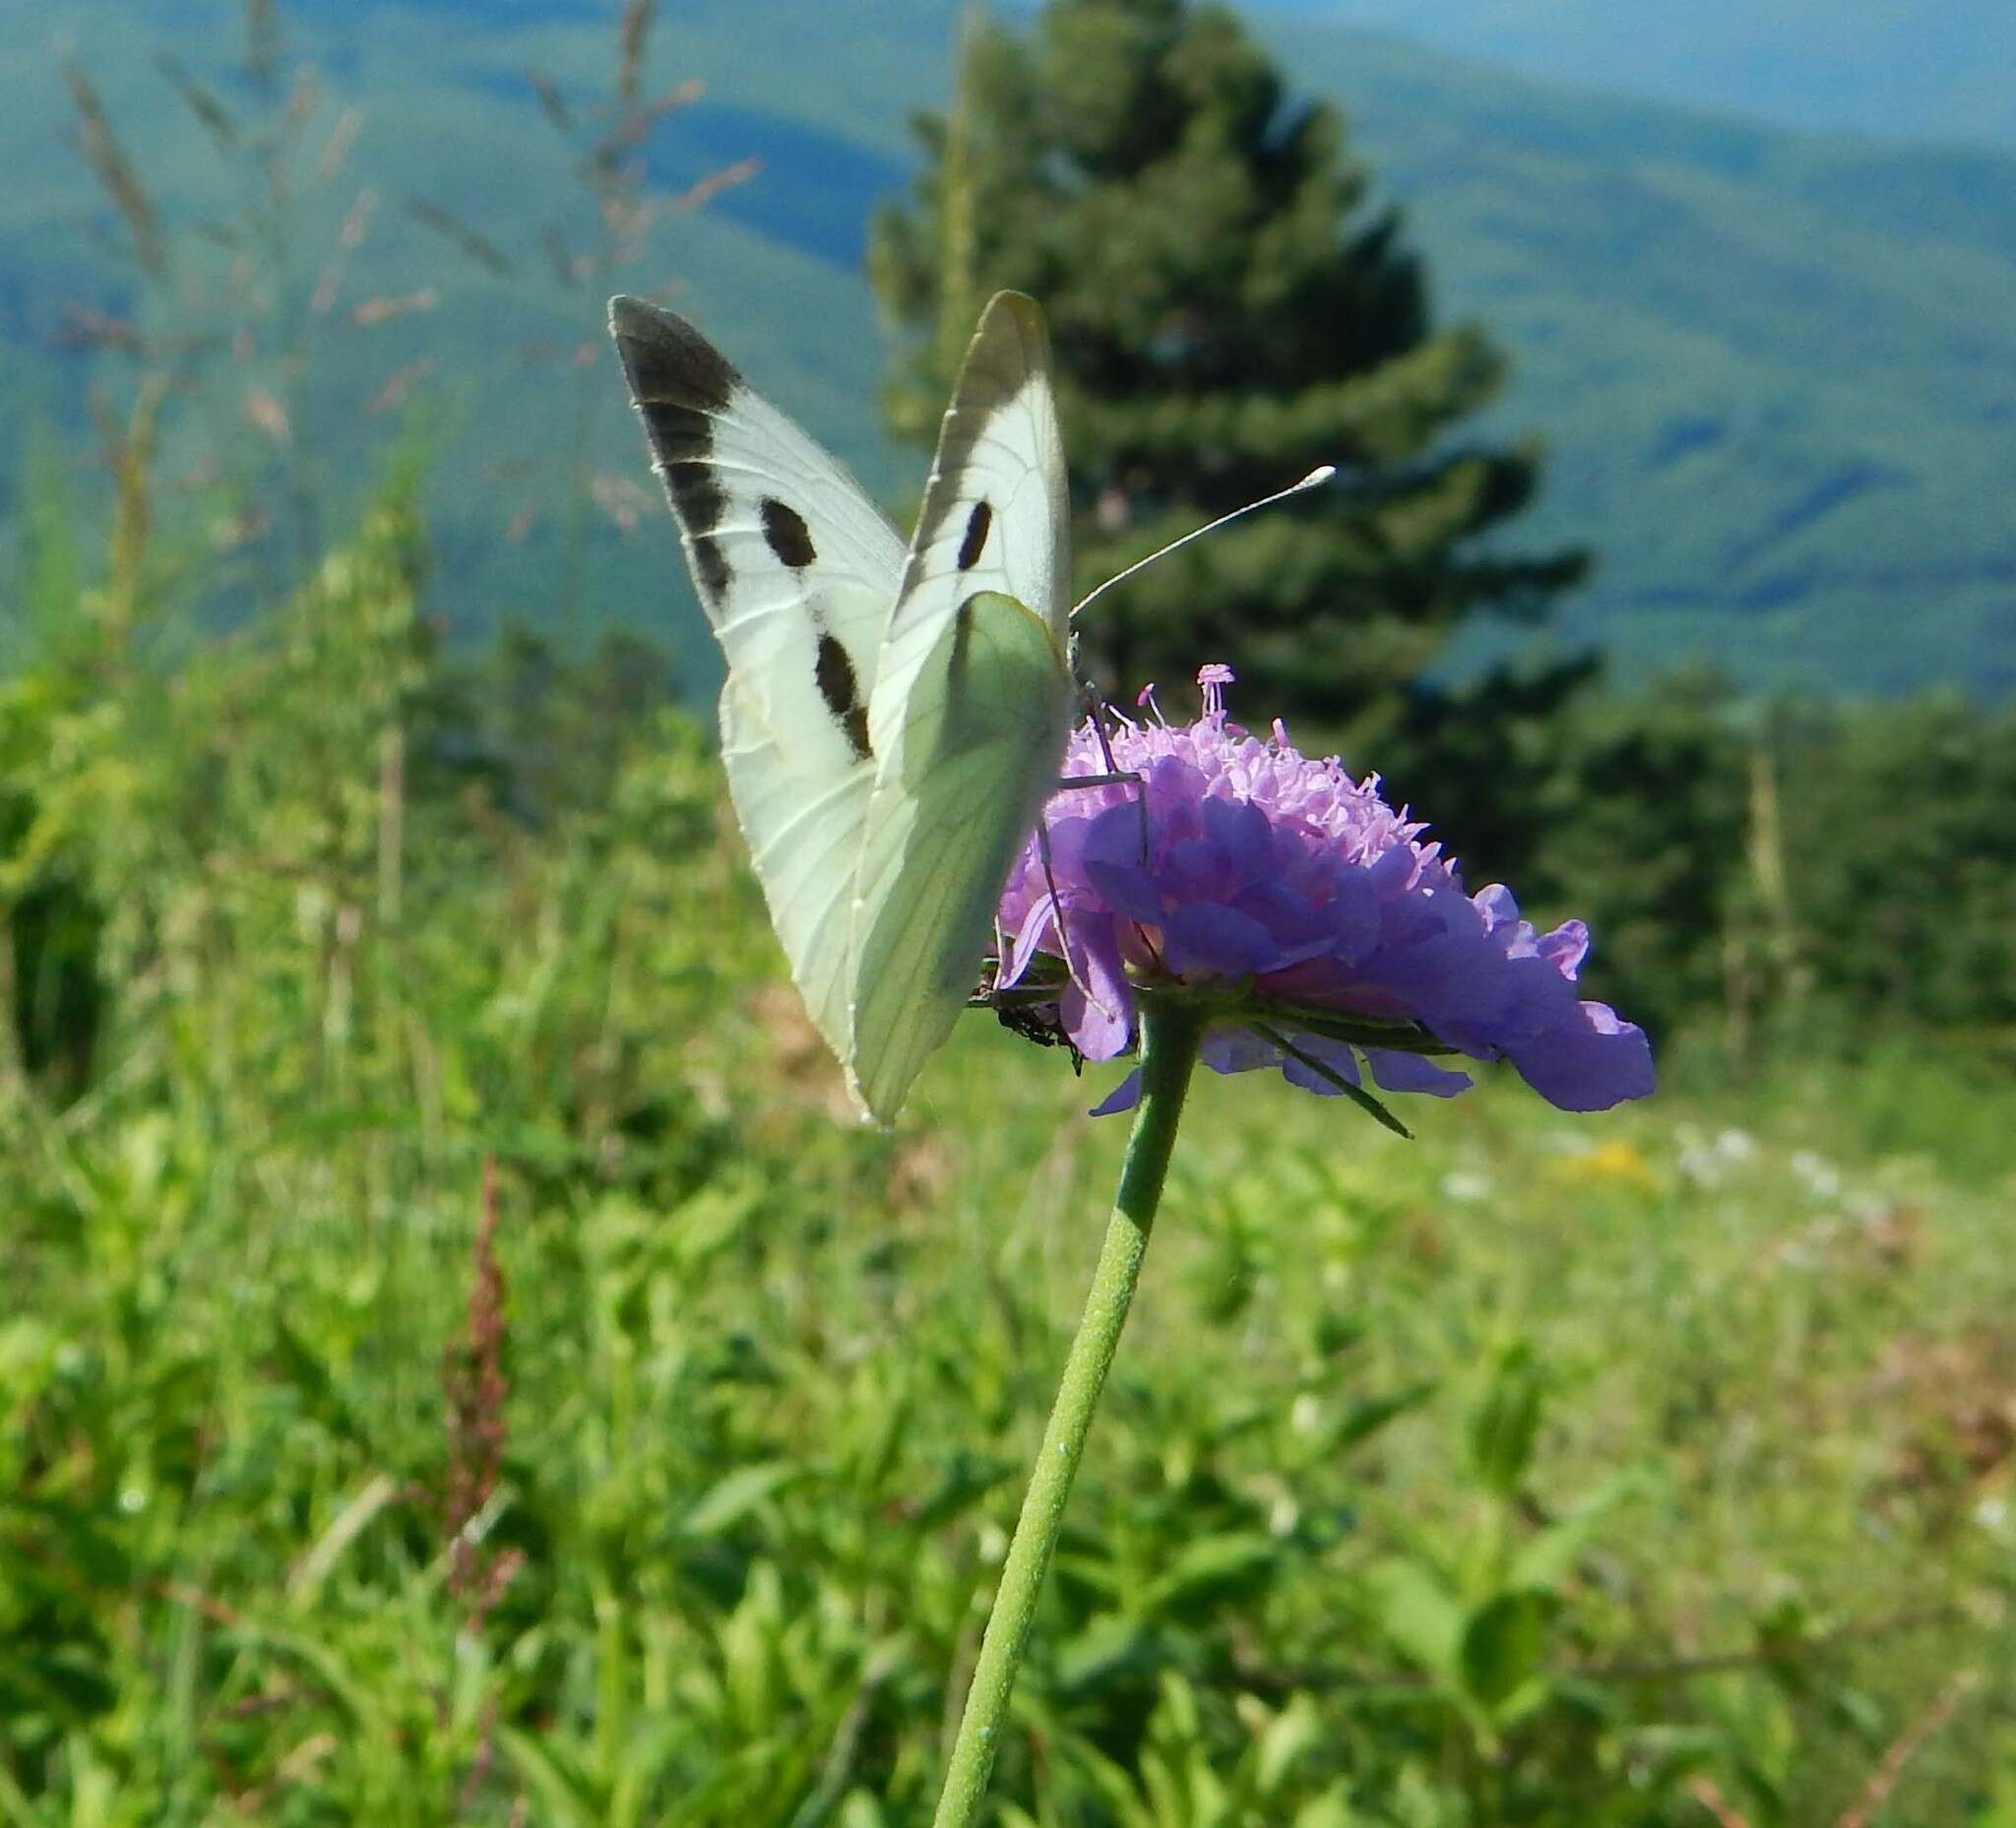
[{"x": 1311, "y": 909}]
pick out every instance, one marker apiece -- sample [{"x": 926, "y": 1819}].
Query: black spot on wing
[
  {"x": 834, "y": 670},
  {"x": 785, "y": 528},
  {"x": 976, "y": 524}
]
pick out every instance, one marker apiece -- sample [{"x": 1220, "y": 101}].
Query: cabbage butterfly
[{"x": 894, "y": 718}]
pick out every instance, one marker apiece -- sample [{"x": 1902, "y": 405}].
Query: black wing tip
[
  {"x": 668, "y": 362},
  {"x": 627, "y": 312},
  {"x": 1016, "y": 312}
]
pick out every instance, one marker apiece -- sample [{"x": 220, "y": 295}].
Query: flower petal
[
  {"x": 1127, "y": 890},
  {"x": 1237, "y": 1051},
  {"x": 1337, "y": 1055},
  {"x": 1037, "y": 926},
  {"x": 1124, "y": 1097},
  {"x": 1209, "y": 937},
  {"x": 1588, "y": 1063},
  {"x": 1394, "y": 1071},
  {"x": 1239, "y": 837},
  {"x": 1096, "y": 1006},
  {"x": 1565, "y": 947},
  {"x": 1494, "y": 902}
]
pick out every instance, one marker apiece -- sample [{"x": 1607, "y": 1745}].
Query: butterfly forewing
[
  {"x": 891, "y": 722},
  {"x": 995, "y": 516},
  {"x": 797, "y": 571},
  {"x": 972, "y": 701},
  {"x": 804, "y": 836},
  {"x": 795, "y": 566}
]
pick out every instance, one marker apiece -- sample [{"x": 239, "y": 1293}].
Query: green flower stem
[{"x": 1171, "y": 1033}]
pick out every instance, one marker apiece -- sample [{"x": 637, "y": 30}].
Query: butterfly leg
[
  {"x": 1042, "y": 849},
  {"x": 1096, "y": 708},
  {"x": 1042, "y": 852},
  {"x": 1115, "y": 775},
  {"x": 1106, "y": 750},
  {"x": 1122, "y": 778}
]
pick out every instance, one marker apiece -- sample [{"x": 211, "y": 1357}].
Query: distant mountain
[
  {"x": 1902, "y": 69},
  {"x": 1776, "y": 374}
]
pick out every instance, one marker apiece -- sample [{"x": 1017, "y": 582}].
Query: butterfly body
[{"x": 894, "y": 714}]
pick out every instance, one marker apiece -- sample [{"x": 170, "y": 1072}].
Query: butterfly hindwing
[{"x": 982, "y": 734}]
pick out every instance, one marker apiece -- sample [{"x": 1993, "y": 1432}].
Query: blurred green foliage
[
  {"x": 458, "y": 1365},
  {"x": 1530, "y": 1475}
]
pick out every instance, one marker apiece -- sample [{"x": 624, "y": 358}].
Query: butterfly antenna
[{"x": 1315, "y": 480}]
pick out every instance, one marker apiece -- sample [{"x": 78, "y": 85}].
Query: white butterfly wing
[
  {"x": 797, "y": 570},
  {"x": 971, "y": 705},
  {"x": 996, "y": 515},
  {"x": 891, "y": 723}
]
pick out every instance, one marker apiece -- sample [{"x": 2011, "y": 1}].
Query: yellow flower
[{"x": 1616, "y": 1159}]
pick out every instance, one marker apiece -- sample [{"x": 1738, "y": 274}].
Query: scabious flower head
[{"x": 1240, "y": 868}]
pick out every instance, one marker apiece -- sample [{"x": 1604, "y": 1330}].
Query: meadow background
[{"x": 457, "y": 1362}]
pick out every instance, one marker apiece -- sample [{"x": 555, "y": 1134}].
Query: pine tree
[{"x": 1227, "y": 310}]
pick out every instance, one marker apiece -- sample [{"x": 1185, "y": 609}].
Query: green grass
[
  {"x": 1529, "y": 1473},
  {"x": 382, "y": 1028},
  {"x": 761, "y": 1434}
]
